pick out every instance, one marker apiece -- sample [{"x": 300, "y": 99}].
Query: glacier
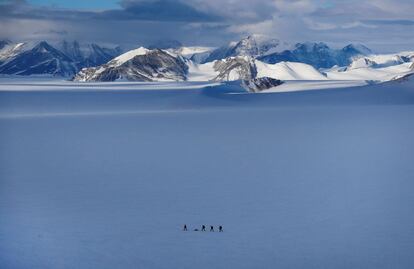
[{"x": 105, "y": 175}]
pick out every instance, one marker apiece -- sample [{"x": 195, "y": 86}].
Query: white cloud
[{"x": 334, "y": 21}]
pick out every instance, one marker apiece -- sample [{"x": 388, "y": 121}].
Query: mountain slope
[
  {"x": 87, "y": 55},
  {"x": 9, "y": 50},
  {"x": 157, "y": 65},
  {"x": 196, "y": 54},
  {"x": 319, "y": 55},
  {"x": 41, "y": 59},
  {"x": 61, "y": 59},
  {"x": 253, "y": 46},
  {"x": 289, "y": 71},
  {"x": 246, "y": 68},
  {"x": 235, "y": 68},
  {"x": 138, "y": 65},
  {"x": 272, "y": 51}
]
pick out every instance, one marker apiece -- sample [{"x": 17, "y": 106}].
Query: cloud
[
  {"x": 158, "y": 10},
  {"x": 52, "y": 32},
  {"x": 296, "y": 6},
  {"x": 214, "y": 22},
  {"x": 390, "y": 22}
]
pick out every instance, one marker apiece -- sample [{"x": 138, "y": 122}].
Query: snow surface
[
  {"x": 48, "y": 83},
  {"x": 190, "y": 51},
  {"x": 306, "y": 85},
  {"x": 288, "y": 71},
  {"x": 390, "y": 58},
  {"x": 201, "y": 72},
  {"x": 380, "y": 74},
  {"x": 282, "y": 71},
  {"x": 368, "y": 68},
  {"x": 106, "y": 179},
  {"x": 129, "y": 55},
  {"x": 12, "y": 50},
  {"x": 360, "y": 71}
]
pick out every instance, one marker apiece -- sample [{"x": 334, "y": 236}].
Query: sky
[
  {"x": 383, "y": 25},
  {"x": 78, "y": 4}
]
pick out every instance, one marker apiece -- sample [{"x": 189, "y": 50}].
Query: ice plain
[{"x": 105, "y": 177}]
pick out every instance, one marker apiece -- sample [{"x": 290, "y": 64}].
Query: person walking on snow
[
  {"x": 211, "y": 229},
  {"x": 220, "y": 228},
  {"x": 203, "y": 228},
  {"x": 185, "y": 227}
]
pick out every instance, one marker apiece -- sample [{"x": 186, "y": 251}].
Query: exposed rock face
[
  {"x": 152, "y": 65},
  {"x": 260, "y": 84},
  {"x": 244, "y": 69},
  {"x": 252, "y": 46},
  {"x": 235, "y": 68}
]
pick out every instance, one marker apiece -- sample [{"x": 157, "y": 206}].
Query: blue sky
[{"x": 383, "y": 25}]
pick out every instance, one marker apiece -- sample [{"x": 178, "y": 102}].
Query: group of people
[{"x": 203, "y": 228}]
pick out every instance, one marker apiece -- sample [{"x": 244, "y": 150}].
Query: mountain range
[
  {"x": 318, "y": 55},
  {"x": 250, "y": 58},
  {"x": 61, "y": 59},
  {"x": 138, "y": 65},
  {"x": 270, "y": 50}
]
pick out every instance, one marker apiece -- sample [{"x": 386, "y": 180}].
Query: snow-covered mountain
[
  {"x": 319, "y": 55},
  {"x": 196, "y": 54},
  {"x": 9, "y": 49},
  {"x": 270, "y": 50},
  {"x": 61, "y": 59},
  {"x": 253, "y": 46},
  {"x": 235, "y": 68},
  {"x": 253, "y": 57},
  {"x": 246, "y": 68},
  {"x": 138, "y": 65},
  {"x": 373, "y": 68},
  {"x": 144, "y": 64},
  {"x": 87, "y": 55},
  {"x": 382, "y": 60},
  {"x": 41, "y": 59},
  {"x": 260, "y": 84},
  {"x": 289, "y": 71},
  {"x": 157, "y": 65},
  {"x": 160, "y": 65}
]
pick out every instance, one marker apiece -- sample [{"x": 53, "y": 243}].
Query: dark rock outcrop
[
  {"x": 260, "y": 84},
  {"x": 235, "y": 68}
]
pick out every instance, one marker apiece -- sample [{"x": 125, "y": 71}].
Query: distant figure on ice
[
  {"x": 220, "y": 228},
  {"x": 203, "y": 228},
  {"x": 211, "y": 229},
  {"x": 185, "y": 227}
]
